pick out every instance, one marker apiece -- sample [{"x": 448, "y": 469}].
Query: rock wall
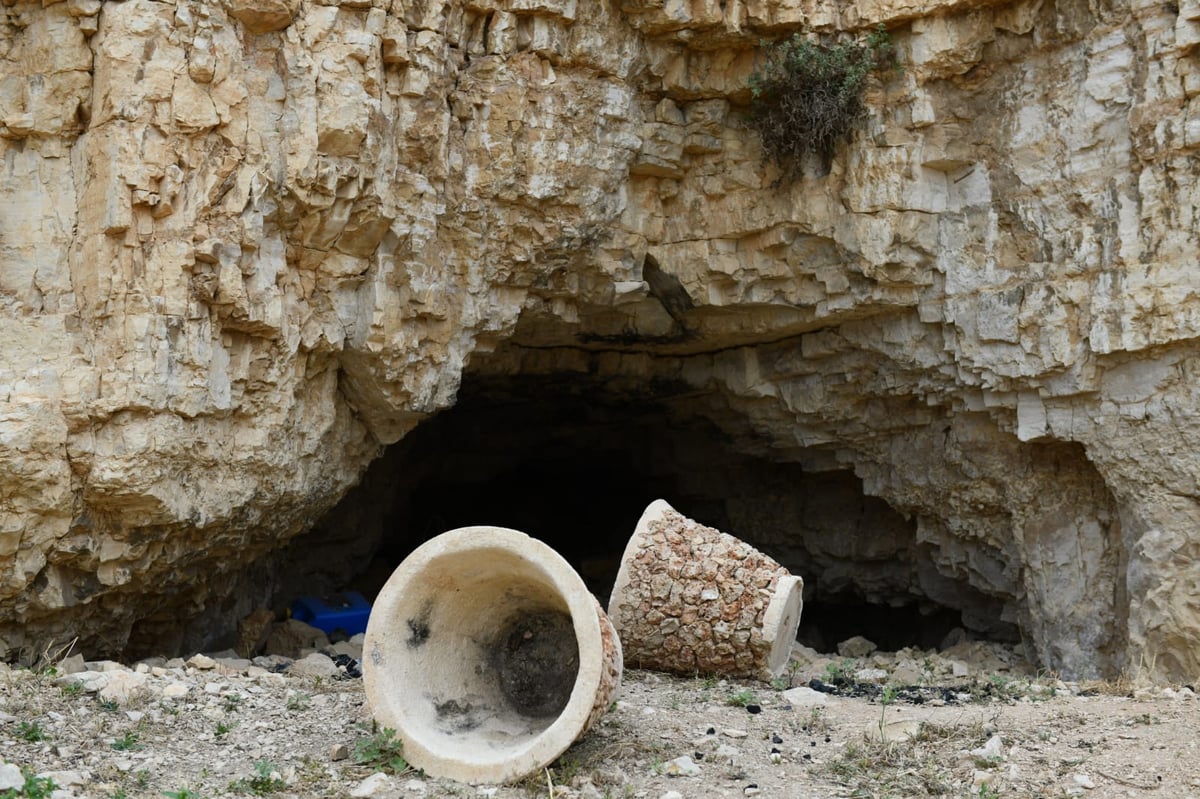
[{"x": 244, "y": 246}]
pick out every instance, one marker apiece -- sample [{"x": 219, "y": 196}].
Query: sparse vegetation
[
  {"x": 788, "y": 680},
  {"x": 830, "y": 748},
  {"x": 902, "y": 768},
  {"x": 807, "y": 95},
  {"x": 886, "y": 698},
  {"x": 127, "y": 742},
  {"x": 742, "y": 698},
  {"x": 31, "y": 732},
  {"x": 266, "y": 779},
  {"x": 34, "y": 788},
  {"x": 182, "y": 793},
  {"x": 841, "y": 671},
  {"x": 298, "y": 701},
  {"x": 381, "y": 750}
]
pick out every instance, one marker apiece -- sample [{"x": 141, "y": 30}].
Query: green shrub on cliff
[{"x": 806, "y": 96}]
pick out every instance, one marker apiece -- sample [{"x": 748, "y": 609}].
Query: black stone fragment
[{"x": 348, "y": 667}]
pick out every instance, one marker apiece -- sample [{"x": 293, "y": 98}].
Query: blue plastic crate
[{"x": 347, "y": 612}]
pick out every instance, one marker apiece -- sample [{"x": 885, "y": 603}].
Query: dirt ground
[{"x": 957, "y": 724}]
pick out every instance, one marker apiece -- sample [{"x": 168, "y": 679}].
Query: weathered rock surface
[{"x": 244, "y": 246}]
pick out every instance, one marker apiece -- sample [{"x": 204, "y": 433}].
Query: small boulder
[
  {"x": 314, "y": 665},
  {"x": 122, "y": 686},
  {"x": 293, "y": 638},
  {"x": 856, "y": 647},
  {"x": 72, "y": 665},
  {"x": 803, "y": 696},
  {"x": 681, "y": 767},
  {"x": 11, "y": 778},
  {"x": 253, "y": 631},
  {"x": 992, "y": 750},
  {"x": 373, "y": 785}
]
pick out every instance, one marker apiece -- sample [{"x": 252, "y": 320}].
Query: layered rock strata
[{"x": 243, "y": 246}]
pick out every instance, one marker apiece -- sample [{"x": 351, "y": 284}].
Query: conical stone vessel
[{"x": 689, "y": 599}]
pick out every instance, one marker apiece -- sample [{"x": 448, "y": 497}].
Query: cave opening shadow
[{"x": 576, "y": 469}]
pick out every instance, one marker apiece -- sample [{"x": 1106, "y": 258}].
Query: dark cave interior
[{"x": 575, "y": 463}]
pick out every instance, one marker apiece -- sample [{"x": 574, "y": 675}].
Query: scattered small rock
[
  {"x": 314, "y": 665},
  {"x": 72, "y": 665},
  {"x": 293, "y": 638},
  {"x": 373, "y": 785},
  {"x": 803, "y": 696},
  {"x": 122, "y": 686},
  {"x": 953, "y": 638},
  {"x": 90, "y": 681},
  {"x": 11, "y": 778},
  {"x": 273, "y": 663},
  {"x": 671, "y": 795},
  {"x": 1083, "y": 781},
  {"x": 980, "y": 777},
  {"x": 856, "y": 647},
  {"x": 907, "y": 673},
  {"x": 734, "y": 733},
  {"x": 992, "y": 750},
  {"x": 682, "y": 766},
  {"x": 877, "y": 676},
  {"x": 201, "y": 662},
  {"x": 347, "y": 648},
  {"x": 339, "y": 752},
  {"x": 175, "y": 690},
  {"x": 67, "y": 779}
]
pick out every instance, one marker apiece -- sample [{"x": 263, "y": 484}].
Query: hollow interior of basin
[{"x": 487, "y": 657}]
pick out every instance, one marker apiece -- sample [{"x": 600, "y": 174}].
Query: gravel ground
[{"x": 971, "y": 721}]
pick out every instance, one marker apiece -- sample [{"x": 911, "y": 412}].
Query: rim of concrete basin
[{"x": 438, "y": 668}]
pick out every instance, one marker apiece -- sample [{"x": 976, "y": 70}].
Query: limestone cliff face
[{"x": 243, "y": 246}]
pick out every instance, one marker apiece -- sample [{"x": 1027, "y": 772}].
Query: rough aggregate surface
[{"x": 970, "y": 721}]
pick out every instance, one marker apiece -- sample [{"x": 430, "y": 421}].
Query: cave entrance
[{"x": 575, "y": 463}]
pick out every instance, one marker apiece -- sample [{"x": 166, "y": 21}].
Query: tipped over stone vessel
[
  {"x": 488, "y": 656},
  {"x": 690, "y": 599}
]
